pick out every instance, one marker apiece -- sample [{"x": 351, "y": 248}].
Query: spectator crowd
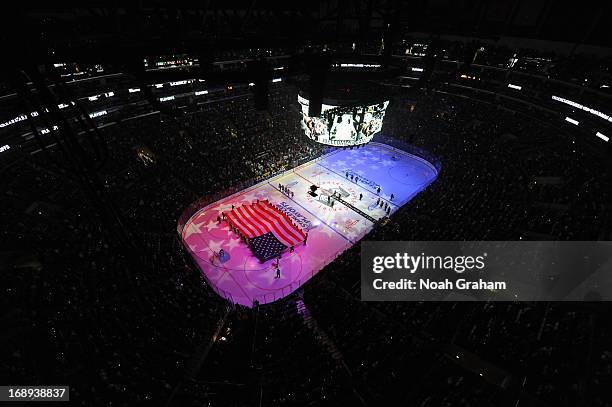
[{"x": 134, "y": 323}]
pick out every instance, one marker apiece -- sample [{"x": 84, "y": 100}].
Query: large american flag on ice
[{"x": 271, "y": 231}]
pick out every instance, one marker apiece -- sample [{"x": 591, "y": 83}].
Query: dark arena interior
[{"x": 187, "y": 187}]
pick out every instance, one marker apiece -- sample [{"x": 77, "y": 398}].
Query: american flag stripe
[
  {"x": 259, "y": 219},
  {"x": 240, "y": 224},
  {"x": 289, "y": 229},
  {"x": 261, "y": 222},
  {"x": 278, "y": 227},
  {"x": 259, "y": 229},
  {"x": 281, "y": 234},
  {"x": 287, "y": 224},
  {"x": 231, "y": 217}
]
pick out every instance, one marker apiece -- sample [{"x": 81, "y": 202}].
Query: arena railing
[{"x": 191, "y": 255}]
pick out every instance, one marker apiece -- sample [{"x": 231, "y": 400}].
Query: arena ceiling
[{"x": 76, "y": 27}]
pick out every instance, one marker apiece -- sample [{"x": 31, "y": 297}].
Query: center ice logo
[{"x": 331, "y": 193}]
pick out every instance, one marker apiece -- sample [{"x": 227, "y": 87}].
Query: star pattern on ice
[
  {"x": 222, "y": 208},
  {"x": 232, "y": 243},
  {"x": 198, "y": 245},
  {"x": 192, "y": 229},
  {"x": 250, "y": 197},
  {"x": 212, "y": 225},
  {"x": 215, "y": 245}
]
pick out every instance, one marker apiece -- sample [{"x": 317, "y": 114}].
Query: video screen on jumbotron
[{"x": 343, "y": 126}]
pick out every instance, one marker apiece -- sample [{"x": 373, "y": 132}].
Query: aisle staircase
[
  {"x": 319, "y": 333},
  {"x": 327, "y": 343}
]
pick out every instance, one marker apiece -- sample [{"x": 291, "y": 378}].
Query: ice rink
[{"x": 351, "y": 176}]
